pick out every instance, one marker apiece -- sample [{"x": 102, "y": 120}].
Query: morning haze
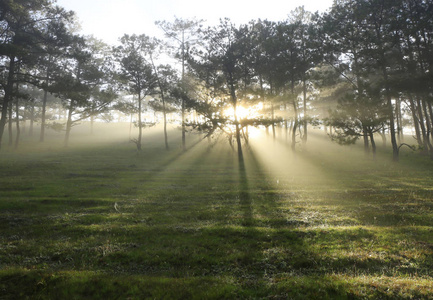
[{"x": 225, "y": 158}]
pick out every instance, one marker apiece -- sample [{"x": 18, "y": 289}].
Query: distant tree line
[{"x": 361, "y": 70}]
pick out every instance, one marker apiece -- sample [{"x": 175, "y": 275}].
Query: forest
[
  {"x": 269, "y": 160},
  {"x": 360, "y": 71}
]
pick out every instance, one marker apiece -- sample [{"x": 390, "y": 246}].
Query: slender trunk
[
  {"x": 392, "y": 129},
  {"x": 17, "y": 114},
  {"x": 429, "y": 129},
  {"x": 183, "y": 100},
  {"x": 295, "y": 126},
  {"x": 245, "y": 135},
  {"x": 183, "y": 126},
  {"x": 395, "y": 148},
  {"x": 165, "y": 121},
  {"x": 427, "y": 119},
  {"x": 32, "y": 118},
  {"x": 4, "y": 114},
  {"x": 280, "y": 130},
  {"x": 365, "y": 136},
  {"x": 23, "y": 123},
  {"x": 295, "y": 119},
  {"x": 10, "y": 124},
  {"x": 237, "y": 125},
  {"x": 273, "y": 123},
  {"x": 415, "y": 120},
  {"x": 286, "y": 125},
  {"x": 383, "y": 62},
  {"x": 140, "y": 125},
  {"x": 398, "y": 120},
  {"x": 44, "y": 105},
  {"x": 400, "y": 117},
  {"x": 291, "y": 124},
  {"x": 161, "y": 88},
  {"x": 431, "y": 117},
  {"x": 238, "y": 135},
  {"x": 421, "y": 124},
  {"x": 230, "y": 138},
  {"x": 304, "y": 123},
  {"x": 373, "y": 143},
  {"x": 69, "y": 123},
  {"x": 7, "y": 96}
]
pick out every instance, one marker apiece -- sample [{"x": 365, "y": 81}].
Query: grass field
[{"x": 100, "y": 221}]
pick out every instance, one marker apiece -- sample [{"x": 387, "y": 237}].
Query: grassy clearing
[{"x": 105, "y": 222}]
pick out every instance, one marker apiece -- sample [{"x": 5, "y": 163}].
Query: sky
[{"x": 110, "y": 19}]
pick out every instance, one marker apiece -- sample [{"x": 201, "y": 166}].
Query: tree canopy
[{"x": 363, "y": 68}]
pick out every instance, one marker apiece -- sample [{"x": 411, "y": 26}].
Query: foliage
[{"x": 363, "y": 67}]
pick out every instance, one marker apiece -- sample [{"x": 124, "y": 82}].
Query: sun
[{"x": 243, "y": 113}]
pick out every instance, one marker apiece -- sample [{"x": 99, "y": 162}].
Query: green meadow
[{"x": 99, "y": 220}]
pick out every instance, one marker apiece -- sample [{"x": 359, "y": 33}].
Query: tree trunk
[
  {"x": 234, "y": 100},
  {"x": 183, "y": 100},
  {"x": 431, "y": 117},
  {"x": 392, "y": 129},
  {"x": 69, "y": 124},
  {"x": 429, "y": 129},
  {"x": 415, "y": 120},
  {"x": 183, "y": 126},
  {"x": 17, "y": 114},
  {"x": 23, "y": 123},
  {"x": 398, "y": 118},
  {"x": 373, "y": 144},
  {"x": 165, "y": 122},
  {"x": 10, "y": 124},
  {"x": 383, "y": 64},
  {"x": 365, "y": 136},
  {"x": 295, "y": 126},
  {"x": 7, "y": 96},
  {"x": 245, "y": 135},
  {"x": 140, "y": 125},
  {"x": 421, "y": 124},
  {"x": 238, "y": 134},
  {"x": 395, "y": 148},
  {"x": 273, "y": 123},
  {"x": 44, "y": 104},
  {"x": 286, "y": 125},
  {"x": 304, "y": 123},
  {"x": 32, "y": 117}
]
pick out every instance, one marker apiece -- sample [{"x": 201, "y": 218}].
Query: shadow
[
  {"x": 189, "y": 229},
  {"x": 177, "y": 155},
  {"x": 271, "y": 193},
  {"x": 161, "y": 166},
  {"x": 244, "y": 194}
]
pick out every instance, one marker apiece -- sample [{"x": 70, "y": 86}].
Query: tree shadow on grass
[{"x": 244, "y": 194}]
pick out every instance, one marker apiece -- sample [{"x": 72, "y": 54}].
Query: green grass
[{"x": 100, "y": 221}]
